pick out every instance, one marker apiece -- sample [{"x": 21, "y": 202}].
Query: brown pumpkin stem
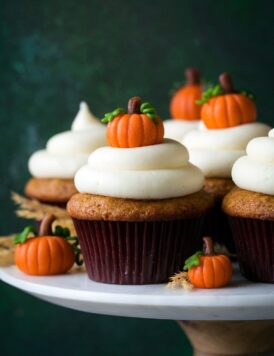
[
  {"x": 134, "y": 105},
  {"x": 45, "y": 226},
  {"x": 192, "y": 76},
  {"x": 226, "y": 83},
  {"x": 208, "y": 246}
]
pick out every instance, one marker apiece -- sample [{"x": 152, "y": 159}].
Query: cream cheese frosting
[
  {"x": 177, "y": 129},
  {"x": 215, "y": 151},
  {"x": 67, "y": 151},
  {"x": 255, "y": 171},
  {"x": 150, "y": 172}
]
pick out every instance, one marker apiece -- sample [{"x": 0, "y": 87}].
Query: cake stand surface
[
  {"x": 238, "y": 319},
  {"x": 241, "y": 300}
]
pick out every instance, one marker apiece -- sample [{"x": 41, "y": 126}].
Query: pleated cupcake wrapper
[
  {"x": 254, "y": 240},
  {"x": 137, "y": 252},
  {"x": 217, "y": 226}
]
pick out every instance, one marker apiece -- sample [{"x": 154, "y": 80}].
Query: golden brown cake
[
  {"x": 96, "y": 207},
  {"x": 247, "y": 204},
  {"x": 50, "y": 190},
  {"x": 218, "y": 187}
]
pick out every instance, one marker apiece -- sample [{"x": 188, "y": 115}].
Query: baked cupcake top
[
  {"x": 67, "y": 151},
  {"x": 139, "y": 164},
  {"x": 255, "y": 171},
  {"x": 228, "y": 124}
]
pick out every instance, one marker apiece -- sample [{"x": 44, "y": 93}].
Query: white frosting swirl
[
  {"x": 177, "y": 129},
  {"x": 215, "y": 151},
  {"x": 151, "y": 172},
  {"x": 67, "y": 151},
  {"x": 84, "y": 119},
  {"x": 255, "y": 171}
]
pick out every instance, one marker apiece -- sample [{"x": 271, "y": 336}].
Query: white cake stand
[{"x": 236, "y": 320}]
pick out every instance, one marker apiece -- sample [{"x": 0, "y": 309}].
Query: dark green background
[{"x": 54, "y": 54}]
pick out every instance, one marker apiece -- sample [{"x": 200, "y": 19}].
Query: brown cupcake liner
[
  {"x": 146, "y": 252},
  {"x": 254, "y": 240},
  {"x": 217, "y": 226}
]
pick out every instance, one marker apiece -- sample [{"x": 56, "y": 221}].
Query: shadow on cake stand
[{"x": 236, "y": 320}]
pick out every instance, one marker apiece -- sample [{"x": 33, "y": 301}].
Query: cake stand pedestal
[
  {"x": 236, "y": 320},
  {"x": 247, "y": 337}
]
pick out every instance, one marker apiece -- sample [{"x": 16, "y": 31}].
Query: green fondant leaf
[
  {"x": 76, "y": 248},
  {"x": 146, "y": 105},
  {"x": 209, "y": 93},
  {"x": 192, "y": 261},
  {"x": 61, "y": 231},
  {"x": 216, "y": 91},
  {"x": 23, "y": 236},
  {"x": 109, "y": 116},
  {"x": 147, "y": 109},
  {"x": 65, "y": 233}
]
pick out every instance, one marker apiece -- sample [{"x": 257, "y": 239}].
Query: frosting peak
[
  {"x": 84, "y": 118},
  {"x": 150, "y": 172},
  {"x": 255, "y": 171},
  {"x": 67, "y": 151}
]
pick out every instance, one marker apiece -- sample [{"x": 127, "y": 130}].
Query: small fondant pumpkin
[
  {"x": 45, "y": 254},
  {"x": 223, "y": 107},
  {"x": 141, "y": 126},
  {"x": 207, "y": 270},
  {"x": 183, "y": 104}
]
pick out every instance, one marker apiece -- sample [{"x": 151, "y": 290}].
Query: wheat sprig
[
  {"x": 180, "y": 280},
  {"x": 33, "y": 209}
]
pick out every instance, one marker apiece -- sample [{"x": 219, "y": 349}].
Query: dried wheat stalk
[
  {"x": 33, "y": 209},
  {"x": 180, "y": 280},
  {"x": 6, "y": 251}
]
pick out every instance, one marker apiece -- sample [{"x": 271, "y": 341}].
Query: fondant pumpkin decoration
[
  {"x": 207, "y": 270},
  {"x": 46, "y": 254},
  {"x": 183, "y": 104},
  {"x": 140, "y": 126},
  {"x": 223, "y": 107}
]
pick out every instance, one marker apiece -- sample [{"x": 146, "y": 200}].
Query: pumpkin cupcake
[
  {"x": 250, "y": 207},
  {"x": 228, "y": 124},
  {"x": 53, "y": 168},
  {"x": 140, "y": 207},
  {"x": 184, "y": 110}
]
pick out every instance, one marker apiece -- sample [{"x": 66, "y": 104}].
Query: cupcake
[
  {"x": 250, "y": 208},
  {"x": 228, "y": 124},
  {"x": 140, "y": 205},
  {"x": 53, "y": 168},
  {"x": 184, "y": 110}
]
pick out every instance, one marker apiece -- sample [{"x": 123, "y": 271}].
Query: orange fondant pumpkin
[
  {"x": 208, "y": 270},
  {"x": 46, "y": 254},
  {"x": 183, "y": 104},
  {"x": 228, "y": 109},
  {"x": 141, "y": 126}
]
